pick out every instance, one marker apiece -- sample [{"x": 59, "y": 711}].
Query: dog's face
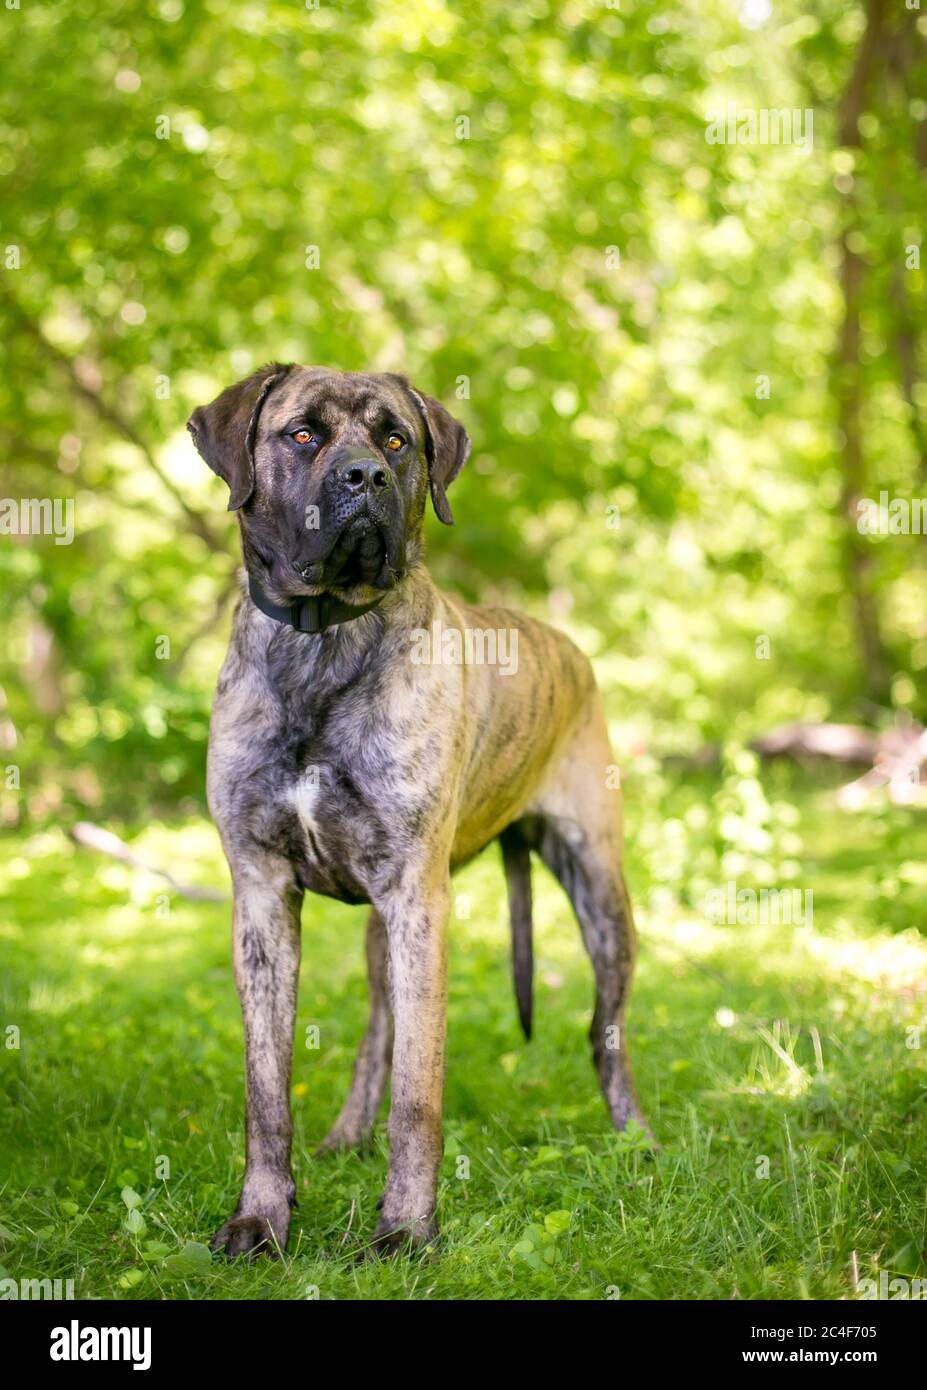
[{"x": 329, "y": 474}]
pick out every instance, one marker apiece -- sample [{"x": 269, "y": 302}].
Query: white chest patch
[{"x": 303, "y": 797}]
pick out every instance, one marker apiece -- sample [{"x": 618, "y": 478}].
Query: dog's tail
[{"x": 516, "y": 859}]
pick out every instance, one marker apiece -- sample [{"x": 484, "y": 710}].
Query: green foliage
[{"x": 599, "y": 391}]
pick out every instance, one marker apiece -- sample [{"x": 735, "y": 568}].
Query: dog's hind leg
[
  {"x": 354, "y": 1125},
  {"x": 603, "y": 910},
  {"x": 578, "y": 834}
]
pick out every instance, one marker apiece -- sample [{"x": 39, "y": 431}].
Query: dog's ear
[
  {"x": 224, "y": 431},
  {"x": 447, "y": 447}
]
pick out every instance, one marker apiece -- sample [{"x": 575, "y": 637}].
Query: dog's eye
[
  {"x": 395, "y": 442},
  {"x": 303, "y": 436}
]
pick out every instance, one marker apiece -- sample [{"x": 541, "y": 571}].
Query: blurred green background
[
  {"x": 681, "y": 365},
  {"x": 610, "y": 286}
]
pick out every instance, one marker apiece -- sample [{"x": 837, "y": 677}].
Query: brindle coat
[{"x": 339, "y": 765}]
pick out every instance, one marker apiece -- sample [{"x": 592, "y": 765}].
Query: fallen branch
[
  {"x": 900, "y": 755},
  {"x": 105, "y": 842},
  {"x": 894, "y": 758},
  {"x": 848, "y": 743}
]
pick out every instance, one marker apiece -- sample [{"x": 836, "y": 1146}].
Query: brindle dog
[{"x": 340, "y": 764}]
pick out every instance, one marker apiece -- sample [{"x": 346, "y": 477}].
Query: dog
[{"x": 342, "y": 762}]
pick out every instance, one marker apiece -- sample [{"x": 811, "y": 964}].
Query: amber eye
[
  {"x": 395, "y": 442},
  {"x": 303, "y": 436}
]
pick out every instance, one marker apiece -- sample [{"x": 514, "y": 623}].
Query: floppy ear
[
  {"x": 224, "y": 431},
  {"x": 447, "y": 447}
]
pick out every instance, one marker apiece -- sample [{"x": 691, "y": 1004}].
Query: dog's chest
[
  {"x": 333, "y": 831},
  {"x": 312, "y": 802},
  {"x": 338, "y": 776},
  {"x": 330, "y": 828}
]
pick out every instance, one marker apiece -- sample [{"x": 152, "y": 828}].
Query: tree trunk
[{"x": 848, "y": 387}]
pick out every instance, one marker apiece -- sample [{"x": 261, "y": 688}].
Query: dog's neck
[
  {"x": 293, "y": 661},
  {"x": 312, "y": 614}
]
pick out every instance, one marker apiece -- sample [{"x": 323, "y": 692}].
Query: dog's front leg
[
  {"x": 265, "y": 928},
  {"x": 415, "y": 915}
]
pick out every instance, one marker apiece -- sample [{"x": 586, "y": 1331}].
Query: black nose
[{"x": 364, "y": 475}]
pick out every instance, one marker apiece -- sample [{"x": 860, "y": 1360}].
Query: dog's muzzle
[
  {"x": 361, "y": 539},
  {"x": 365, "y": 477}
]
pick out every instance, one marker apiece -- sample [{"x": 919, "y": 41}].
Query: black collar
[{"x": 309, "y": 614}]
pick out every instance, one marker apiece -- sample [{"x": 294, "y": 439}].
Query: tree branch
[
  {"x": 110, "y": 415},
  {"x": 105, "y": 842}
]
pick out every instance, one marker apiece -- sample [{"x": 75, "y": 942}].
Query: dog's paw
[
  {"x": 406, "y": 1238},
  {"x": 341, "y": 1139},
  {"x": 637, "y": 1132},
  {"x": 252, "y": 1236}
]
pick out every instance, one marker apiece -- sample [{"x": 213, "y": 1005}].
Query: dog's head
[{"x": 329, "y": 474}]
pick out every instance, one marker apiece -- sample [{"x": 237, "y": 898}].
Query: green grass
[{"x": 749, "y": 1041}]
